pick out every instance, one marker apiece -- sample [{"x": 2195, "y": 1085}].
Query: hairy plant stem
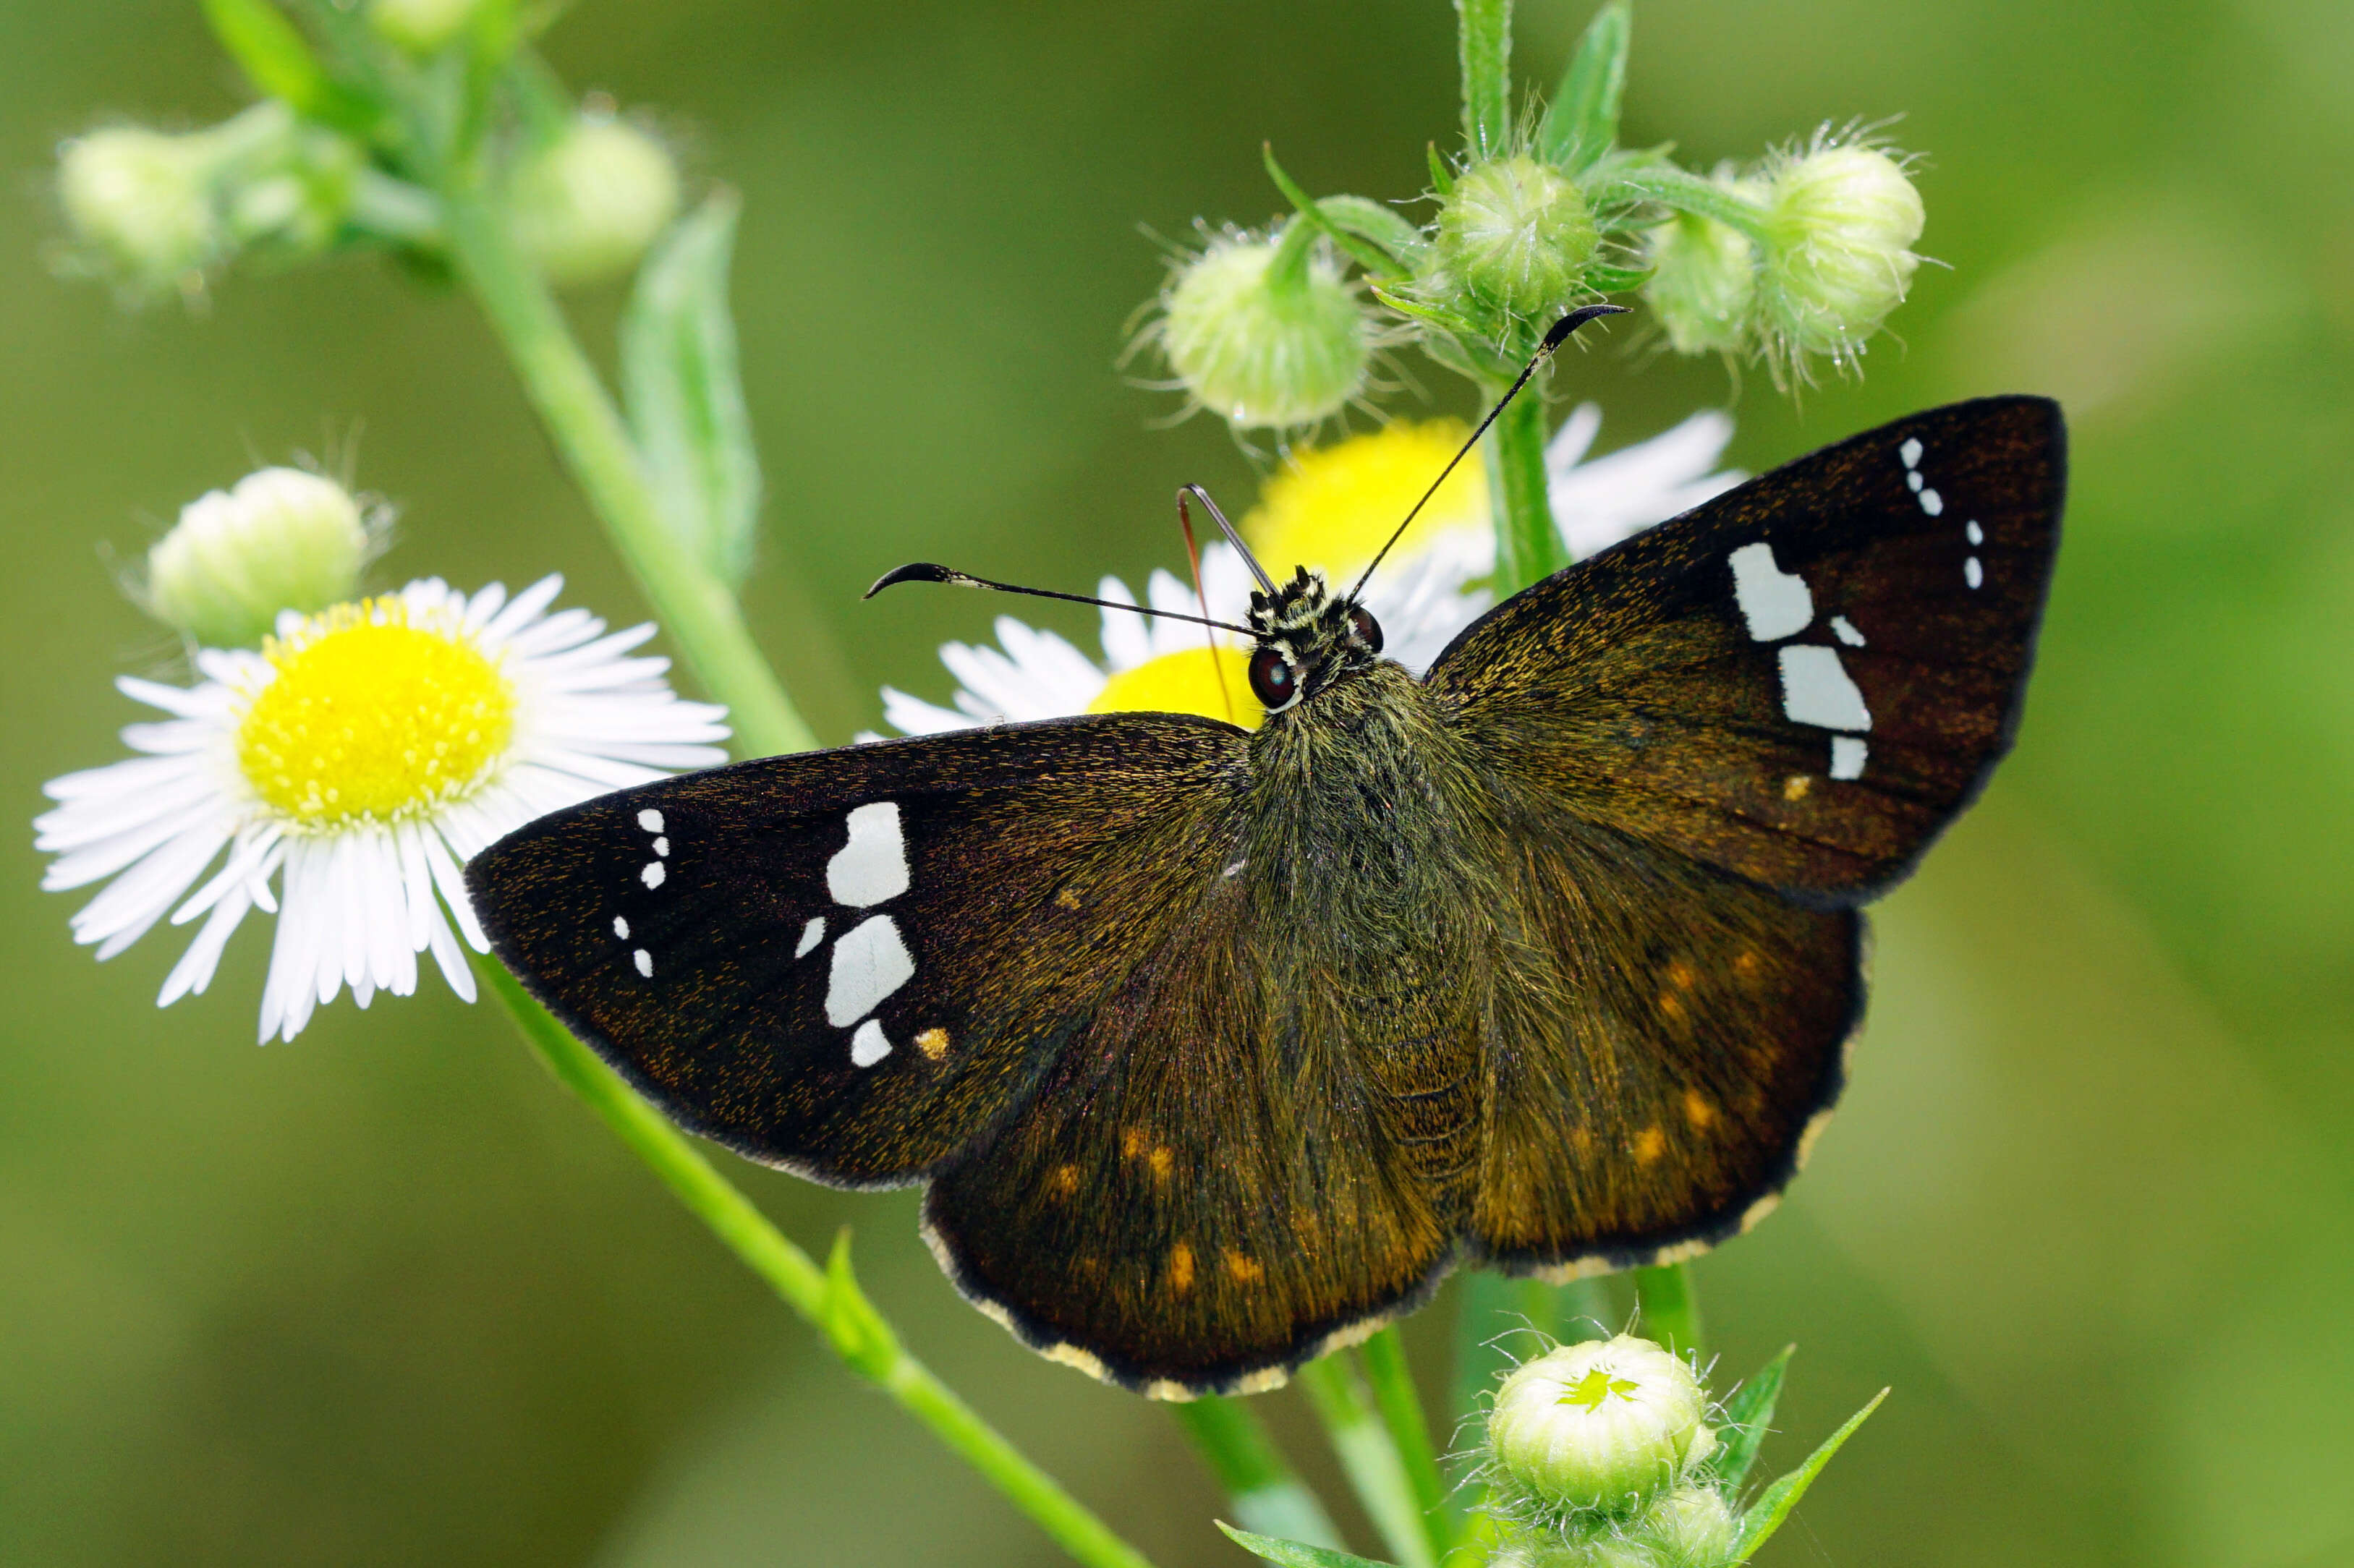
[
  {"x": 1528, "y": 545},
  {"x": 805, "y": 1286},
  {"x": 1369, "y": 1457},
  {"x": 698, "y": 610}
]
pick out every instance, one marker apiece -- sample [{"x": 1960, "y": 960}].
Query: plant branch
[
  {"x": 1528, "y": 545},
  {"x": 1268, "y": 1496},
  {"x": 829, "y": 1299},
  {"x": 1370, "y": 1457}
]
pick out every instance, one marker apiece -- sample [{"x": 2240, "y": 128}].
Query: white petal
[
  {"x": 146, "y": 894},
  {"x": 449, "y": 960},
  {"x": 485, "y": 604},
  {"x": 1573, "y": 439},
  {"x": 1126, "y": 642},
  {"x": 453, "y": 893},
  {"x": 912, "y": 715},
  {"x": 184, "y": 702},
  {"x": 524, "y": 608},
  {"x": 252, "y": 848},
  {"x": 416, "y": 886},
  {"x": 196, "y": 967}
]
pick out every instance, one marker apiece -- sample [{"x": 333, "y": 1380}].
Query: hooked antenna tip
[
  {"x": 920, "y": 572},
  {"x": 1574, "y": 320}
]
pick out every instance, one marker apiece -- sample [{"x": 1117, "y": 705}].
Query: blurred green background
[{"x": 388, "y": 1296}]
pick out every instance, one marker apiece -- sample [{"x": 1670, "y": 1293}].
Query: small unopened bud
[
  {"x": 1842, "y": 222},
  {"x": 1598, "y": 1428},
  {"x": 588, "y": 204},
  {"x": 279, "y": 539},
  {"x": 1264, "y": 346},
  {"x": 142, "y": 203},
  {"x": 1703, "y": 284},
  {"x": 420, "y": 27},
  {"x": 1691, "y": 1527},
  {"x": 1518, "y": 235}
]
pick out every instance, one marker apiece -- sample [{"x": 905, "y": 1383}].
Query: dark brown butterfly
[{"x": 1220, "y": 1048}]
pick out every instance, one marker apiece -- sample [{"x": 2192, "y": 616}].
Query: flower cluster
[
  {"x": 1801, "y": 259},
  {"x": 1330, "y": 509}
]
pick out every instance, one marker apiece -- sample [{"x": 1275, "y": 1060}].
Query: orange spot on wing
[
  {"x": 1674, "y": 1006},
  {"x": 1680, "y": 976},
  {"x": 1181, "y": 1268},
  {"x": 1068, "y": 898},
  {"x": 1795, "y": 787},
  {"x": 1745, "y": 962},
  {"x": 1065, "y": 1180},
  {"x": 1246, "y": 1270},
  {"x": 1131, "y": 1142},
  {"x": 1161, "y": 1160},
  {"x": 933, "y": 1042},
  {"x": 1697, "y": 1110},
  {"x": 1649, "y": 1144}
]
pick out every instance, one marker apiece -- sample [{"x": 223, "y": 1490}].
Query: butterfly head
[{"x": 1307, "y": 638}]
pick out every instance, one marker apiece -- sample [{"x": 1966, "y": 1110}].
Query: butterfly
[{"x": 1218, "y": 1049}]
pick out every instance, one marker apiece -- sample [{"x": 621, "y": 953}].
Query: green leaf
[
  {"x": 858, "y": 1332},
  {"x": 1581, "y": 122},
  {"x": 1775, "y": 1503},
  {"x": 1747, "y": 1415},
  {"x": 277, "y": 59},
  {"x": 1442, "y": 178},
  {"x": 1376, "y": 221},
  {"x": 1369, "y": 1456},
  {"x": 1318, "y": 216},
  {"x": 685, "y": 397},
  {"x": 1616, "y": 280},
  {"x": 1267, "y": 1494},
  {"x": 1295, "y": 1553}
]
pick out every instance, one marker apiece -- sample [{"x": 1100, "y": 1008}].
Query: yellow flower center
[
  {"x": 375, "y": 716},
  {"x": 1214, "y": 682},
  {"x": 1333, "y": 508}
]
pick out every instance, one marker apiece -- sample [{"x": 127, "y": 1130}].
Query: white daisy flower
[
  {"x": 1331, "y": 508},
  {"x": 366, "y": 753}
]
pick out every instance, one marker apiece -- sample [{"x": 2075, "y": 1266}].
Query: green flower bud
[
  {"x": 1842, "y": 221},
  {"x": 1691, "y": 1527},
  {"x": 1703, "y": 284},
  {"x": 1265, "y": 346},
  {"x": 279, "y": 539},
  {"x": 588, "y": 204},
  {"x": 420, "y": 27},
  {"x": 142, "y": 202},
  {"x": 1599, "y": 1427},
  {"x": 1518, "y": 235}
]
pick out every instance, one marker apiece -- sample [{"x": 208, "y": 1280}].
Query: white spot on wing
[
  {"x": 1847, "y": 756},
  {"x": 1932, "y": 502},
  {"x": 870, "y": 962},
  {"x": 869, "y": 1045},
  {"x": 650, "y": 820},
  {"x": 1972, "y": 573},
  {"x": 1975, "y": 534},
  {"x": 661, "y": 846},
  {"x": 653, "y": 875},
  {"x": 621, "y": 928},
  {"x": 1236, "y": 869},
  {"x": 1815, "y": 689},
  {"x": 1775, "y": 603},
  {"x": 1845, "y": 630},
  {"x": 645, "y": 962},
  {"x": 872, "y": 866},
  {"x": 1914, "y": 479},
  {"x": 812, "y": 935},
  {"x": 1910, "y": 451}
]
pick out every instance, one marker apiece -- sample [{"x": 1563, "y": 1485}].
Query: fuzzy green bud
[
  {"x": 1262, "y": 340},
  {"x": 142, "y": 203},
  {"x": 1518, "y": 235},
  {"x": 1842, "y": 222},
  {"x": 588, "y": 204},
  {"x": 1691, "y": 1527},
  {"x": 420, "y": 27},
  {"x": 1598, "y": 1428},
  {"x": 1703, "y": 284},
  {"x": 279, "y": 539}
]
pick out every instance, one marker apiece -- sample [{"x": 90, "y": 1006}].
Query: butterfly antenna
[
  {"x": 925, "y": 572},
  {"x": 1224, "y": 527},
  {"x": 1201, "y": 597},
  {"x": 1552, "y": 340}
]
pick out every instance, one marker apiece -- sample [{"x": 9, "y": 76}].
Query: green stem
[
  {"x": 1528, "y": 545},
  {"x": 1674, "y": 188},
  {"x": 1667, "y": 1307},
  {"x": 1375, "y": 1472},
  {"x": 1269, "y": 1496},
  {"x": 1400, "y": 1403},
  {"x": 804, "y": 1286},
  {"x": 1484, "y": 45},
  {"x": 697, "y": 610}
]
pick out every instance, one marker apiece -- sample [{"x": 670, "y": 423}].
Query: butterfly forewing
[
  {"x": 1802, "y": 681},
  {"x": 854, "y": 964}
]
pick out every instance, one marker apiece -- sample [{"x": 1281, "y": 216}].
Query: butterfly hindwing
[
  {"x": 1802, "y": 681},
  {"x": 852, "y": 963}
]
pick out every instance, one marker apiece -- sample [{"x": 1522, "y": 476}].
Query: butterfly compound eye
[
  {"x": 1274, "y": 680},
  {"x": 1368, "y": 629}
]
